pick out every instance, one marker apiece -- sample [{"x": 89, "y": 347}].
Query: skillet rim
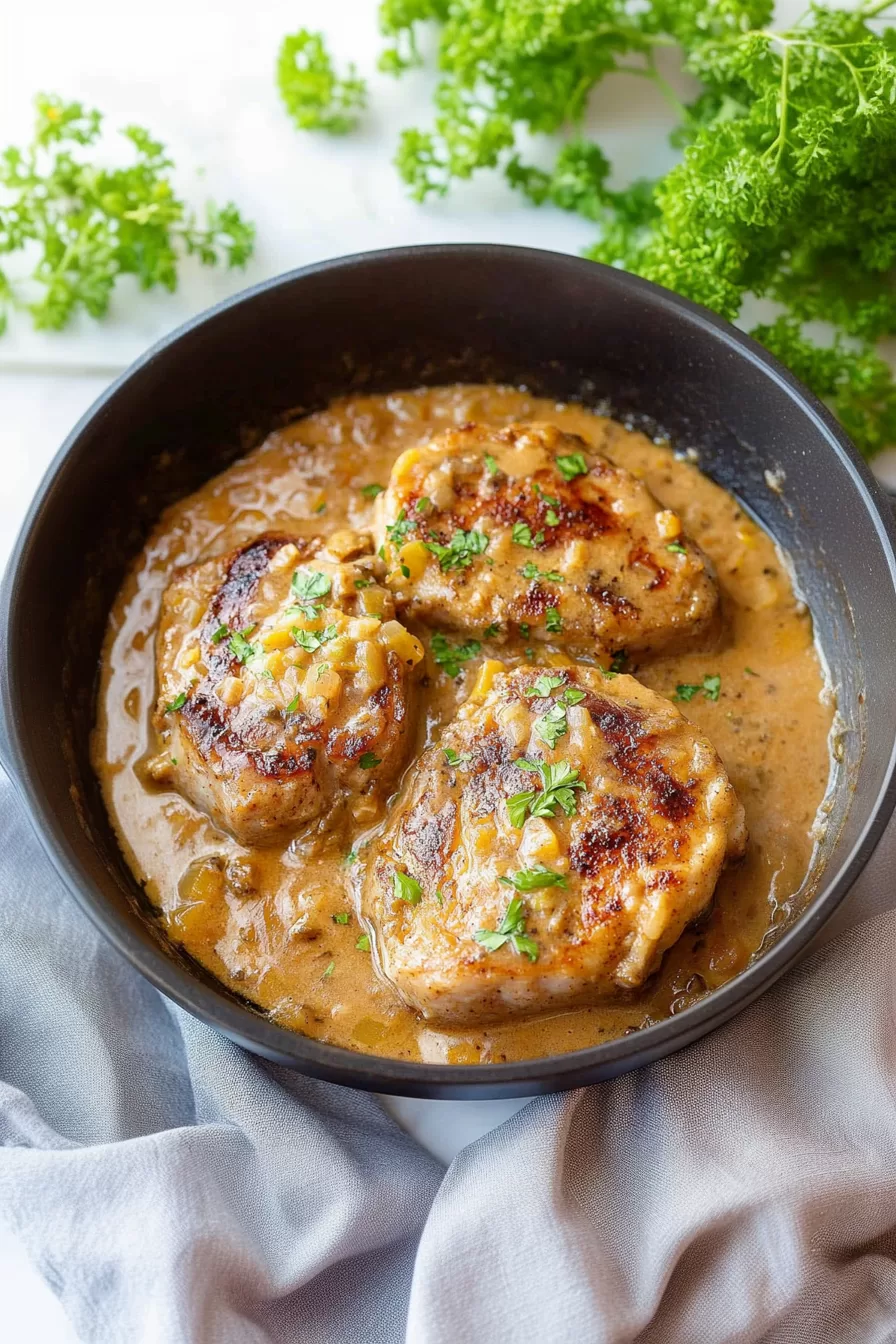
[{"x": 338, "y": 1064}]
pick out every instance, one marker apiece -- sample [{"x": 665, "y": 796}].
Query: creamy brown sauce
[{"x": 279, "y": 946}]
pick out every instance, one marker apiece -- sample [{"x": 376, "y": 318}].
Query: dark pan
[{"x": 565, "y": 327}]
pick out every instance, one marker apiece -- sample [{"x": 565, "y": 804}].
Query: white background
[{"x": 199, "y": 75}]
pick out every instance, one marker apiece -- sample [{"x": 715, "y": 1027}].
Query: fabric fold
[{"x": 173, "y": 1189}]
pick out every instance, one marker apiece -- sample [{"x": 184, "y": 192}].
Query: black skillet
[{"x": 561, "y": 326}]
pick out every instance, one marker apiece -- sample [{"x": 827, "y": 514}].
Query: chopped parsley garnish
[
  {"x": 571, "y": 465},
  {"x": 533, "y": 879},
  {"x": 676, "y": 548},
  {"x": 491, "y": 631},
  {"x": 369, "y": 761},
  {"x": 405, "y": 572},
  {"x": 222, "y": 632},
  {"x": 522, "y": 535},
  {"x": 311, "y": 640},
  {"x": 351, "y": 857},
  {"x": 406, "y": 888},
  {"x": 548, "y": 499},
  {"x": 524, "y": 629},
  {"x": 553, "y": 621},
  {"x": 293, "y": 704},
  {"x": 544, "y": 684},
  {"x": 240, "y": 647},
  {"x": 321, "y": 507},
  {"x": 710, "y": 686},
  {"x": 552, "y": 725},
  {"x": 531, "y": 571},
  {"x": 552, "y": 518},
  {"x": 343, "y": 917},
  {"x": 451, "y": 657},
  {"x": 559, "y": 784},
  {"x": 363, "y": 583},
  {"x": 456, "y": 757},
  {"x": 512, "y": 929},
  {"x": 423, "y": 503},
  {"x": 397, "y": 531},
  {"x": 177, "y": 703},
  {"x": 460, "y": 550},
  {"x": 372, "y": 490},
  {"x": 329, "y": 971},
  {"x": 308, "y": 586},
  {"x": 491, "y": 465},
  {"x": 363, "y": 943},
  {"x": 617, "y": 664}
]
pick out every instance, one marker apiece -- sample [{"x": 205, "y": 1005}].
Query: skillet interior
[{"x": 565, "y": 328}]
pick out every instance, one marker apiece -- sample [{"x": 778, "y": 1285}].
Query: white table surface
[{"x": 199, "y": 75}]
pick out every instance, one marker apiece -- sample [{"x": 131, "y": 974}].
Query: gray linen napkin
[{"x": 174, "y": 1190}]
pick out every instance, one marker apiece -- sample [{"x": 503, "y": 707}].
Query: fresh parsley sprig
[
  {"x": 787, "y": 185},
  {"x": 512, "y": 929},
  {"x": 314, "y": 95},
  {"x": 87, "y": 224},
  {"x": 559, "y": 785}
]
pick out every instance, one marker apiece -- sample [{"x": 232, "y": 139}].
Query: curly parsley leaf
[
  {"x": 314, "y": 95},
  {"x": 86, "y": 223},
  {"x": 786, "y": 188}
]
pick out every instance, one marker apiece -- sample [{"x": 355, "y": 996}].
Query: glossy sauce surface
[{"x": 271, "y": 935}]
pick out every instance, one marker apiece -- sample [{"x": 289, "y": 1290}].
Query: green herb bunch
[
  {"x": 314, "y": 95},
  {"x": 787, "y": 184},
  {"x": 88, "y": 225}
]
